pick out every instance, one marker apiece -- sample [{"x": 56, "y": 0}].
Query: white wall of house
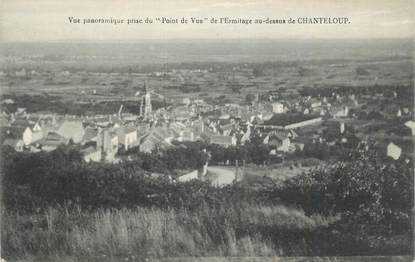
[
  {"x": 411, "y": 125},
  {"x": 27, "y": 136},
  {"x": 48, "y": 148},
  {"x": 277, "y": 108},
  {"x": 93, "y": 156},
  {"x": 393, "y": 151},
  {"x": 234, "y": 141},
  {"x": 114, "y": 142},
  {"x": 285, "y": 145},
  {"x": 77, "y": 137},
  {"x": 130, "y": 139}
]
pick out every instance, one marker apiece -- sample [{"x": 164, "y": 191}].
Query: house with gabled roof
[
  {"x": 246, "y": 136},
  {"x": 90, "y": 134},
  {"x": 20, "y": 122},
  {"x": 51, "y": 141},
  {"x": 18, "y": 132},
  {"x": 72, "y": 130},
  {"x": 158, "y": 136},
  {"x": 91, "y": 153},
  {"x": 299, "y": 142},
  {"x": 227, "y": 129},
  {"x": 186, "y": 135},
  {"x": 16, "y": 144},
  {"x": 177, "y": 126},
  {"x": 277, "y": 108},
  {"x": 278, "y": 140},
  {"x": 35, "y": 127},
  {"x": 116, "y": 121}
]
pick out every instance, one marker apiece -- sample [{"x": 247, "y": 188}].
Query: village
[{"x": 289, "y": 124}]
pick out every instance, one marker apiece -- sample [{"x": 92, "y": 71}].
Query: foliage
[
  {"x": 253, "y": 151},
  {"x": 368, "y": 190},
  {"x": 186, "y": 155},
  {"x": 55, "y": 104},
  {"x": 55, "y": 203},
  {"x": 40, "y": 180}
]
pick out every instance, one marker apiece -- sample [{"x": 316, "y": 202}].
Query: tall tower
[{"x": 145, "y": 106}]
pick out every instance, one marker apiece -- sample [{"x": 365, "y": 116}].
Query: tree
[
  {"x": 249, "y": 98},
  {"x": 374, "y": 115}
]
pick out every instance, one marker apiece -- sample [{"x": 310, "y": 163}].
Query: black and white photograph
[{"x": 207, "y": 131}]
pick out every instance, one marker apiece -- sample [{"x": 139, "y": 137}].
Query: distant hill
[{"x": 230, "y": 50}]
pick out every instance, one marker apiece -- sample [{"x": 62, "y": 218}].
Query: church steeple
[{"x": 145, "y": 107}]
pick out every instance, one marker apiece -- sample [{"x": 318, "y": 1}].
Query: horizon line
[{"x": 5, "y": 41}]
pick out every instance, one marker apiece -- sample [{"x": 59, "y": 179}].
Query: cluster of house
[
  {"x": 333, "y": 105},
  {"x": 101, "y": 137}
]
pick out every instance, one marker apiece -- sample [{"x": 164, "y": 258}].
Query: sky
[{"x": 47, "y": 20}]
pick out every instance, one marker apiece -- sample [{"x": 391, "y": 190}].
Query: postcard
[{"x": 220, "y": 130}]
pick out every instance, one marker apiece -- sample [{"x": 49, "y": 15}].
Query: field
[
  {"x": 145, "y": 232},
  {"x": 201, "y": 69}
]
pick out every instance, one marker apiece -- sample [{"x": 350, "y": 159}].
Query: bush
[
  {"x": 368, "y": 190},
  {"x": 55, "y": 203}
]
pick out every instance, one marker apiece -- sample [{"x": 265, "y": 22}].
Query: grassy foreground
[{"x": 152, "y": 233}]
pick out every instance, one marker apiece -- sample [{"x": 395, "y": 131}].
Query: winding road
[{"x": 221, "y": 176}]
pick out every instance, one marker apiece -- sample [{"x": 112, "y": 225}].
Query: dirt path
[{"x": 221, "y": 176}]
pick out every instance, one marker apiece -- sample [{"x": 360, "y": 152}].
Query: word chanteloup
[{"x": 323, "y": 20}]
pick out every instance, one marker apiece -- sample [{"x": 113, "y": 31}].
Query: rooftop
[{"x": 288, "y": 119}]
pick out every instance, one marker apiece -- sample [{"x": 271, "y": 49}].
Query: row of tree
[
  {"x": 40, "y": 180},
  {"x": 55, "y": 104}
]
